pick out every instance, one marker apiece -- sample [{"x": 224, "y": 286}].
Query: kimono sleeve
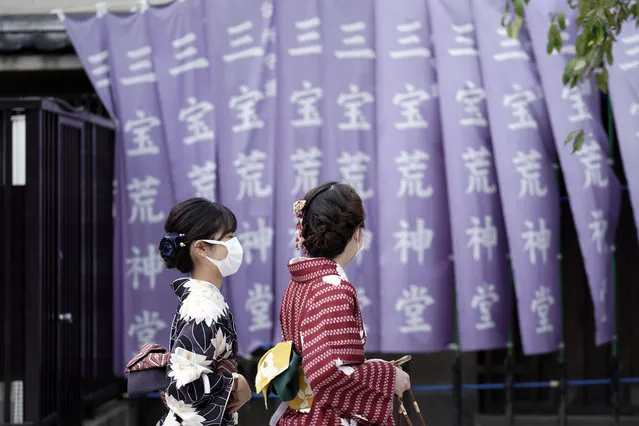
[
  {"x": 333, "y": 354},
  {"x": 193, "y": 369}
]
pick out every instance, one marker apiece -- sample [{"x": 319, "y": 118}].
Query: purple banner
[
  {"x": 186, "y": 96},
  {"x": 482, "y": 281},
  {"x": 349, "y": 134},
  {"x": 624, "y": 95},
  {"x": 242, "y": 49},
  {"x": 593, "y": 188},
  {"x": 88, "y": 35},
  {"x": 529, "y": 193},
  {"x": 148, "y": 302},
  {"x": 300, "y": 125},
  {"x": 415, "y": 244}
]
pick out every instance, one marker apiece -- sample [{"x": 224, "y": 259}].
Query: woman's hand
[
  {"x": 240, "y": 395},
  {"x": 402, "y": 381}
]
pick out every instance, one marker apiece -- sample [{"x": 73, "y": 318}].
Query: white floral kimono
[{"x": 203, "y": 347}]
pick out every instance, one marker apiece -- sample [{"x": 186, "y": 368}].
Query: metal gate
[{"x": 56, "y": 240}]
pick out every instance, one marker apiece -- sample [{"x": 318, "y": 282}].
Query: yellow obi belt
[{"x": 280, "y": 371}]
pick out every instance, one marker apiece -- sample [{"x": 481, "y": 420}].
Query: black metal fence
[{"x": 56, "y": 275}]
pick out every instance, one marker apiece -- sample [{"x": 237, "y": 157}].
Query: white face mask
[
  {"x": 359, "y": 244},
  {"x": 231, "y": 264}
]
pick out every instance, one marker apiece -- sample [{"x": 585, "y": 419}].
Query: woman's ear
[{"x": 198, "y": 248}]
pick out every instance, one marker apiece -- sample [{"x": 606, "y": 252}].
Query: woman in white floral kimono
[{"x": 204, "y": 389}]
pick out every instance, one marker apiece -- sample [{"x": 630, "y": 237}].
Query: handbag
[
  {"x": 146, "y": 372},
  {"x": 403, "y": 414}
]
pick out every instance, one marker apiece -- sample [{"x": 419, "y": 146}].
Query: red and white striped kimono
[{"x": 321, "y": 315}]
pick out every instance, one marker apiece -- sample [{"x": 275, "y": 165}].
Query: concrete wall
[{"x": 11, "y": 7}]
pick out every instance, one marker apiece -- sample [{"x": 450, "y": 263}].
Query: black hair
[
  {"x": 331, "y": 215},
  {"x": 189, "y": 221}
]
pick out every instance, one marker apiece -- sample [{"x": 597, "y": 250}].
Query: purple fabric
[
  {"x": 300, "y": 124},
  {"x": 147, "y": 300},
  {"x": 88, "y": 35},
  {"x": 593, "y": 188},
  {"x": 624, "y": 94},
  {"x": 349, "y": 133},
  {"x": 241, "y": 51},
  {"x": 529, "y": 192},
  {"x": 254, "y": 103},
  {"x": 482, "y": 281},
  {"x": 415, "y": 246},
  {"x": 177, "y": 36}
]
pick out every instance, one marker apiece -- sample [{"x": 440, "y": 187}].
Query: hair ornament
[{"x": 298, "y": 209}]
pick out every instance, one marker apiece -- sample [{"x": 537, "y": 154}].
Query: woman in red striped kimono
[{"x": 321, "y": 315}]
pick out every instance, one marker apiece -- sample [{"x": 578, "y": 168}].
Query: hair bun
[{"x": 169, "y": 246}]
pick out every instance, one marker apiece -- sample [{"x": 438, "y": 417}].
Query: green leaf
[
  {"x": 608, "y": 50},
  {"x": 578, "y": 143},
  {"x": 580, "y": 64},
  {"x": 519, "y": 7},
  {"x": 561, "y": 19},
  {"x": 517, "y": 23},
  {"x": 554, "y": 39},
  {"x": 569, "y": 70},
  {"x": 602, "y": 80}
]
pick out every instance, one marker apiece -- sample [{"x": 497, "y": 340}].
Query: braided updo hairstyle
[
  {"x": 189, "y": 221},
  {"x": 331, "y": 215}
]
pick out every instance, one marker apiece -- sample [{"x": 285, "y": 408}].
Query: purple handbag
[{"x": 147, "y": 371}]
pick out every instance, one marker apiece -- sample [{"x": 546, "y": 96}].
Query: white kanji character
[
  {"x": 575, "y": 95},
  {"x": 537, "y": 240},
  {"x": 528, "y": 165},
  {"x": 243, "y": 42},
  {"x": 354, "y": 170},
  {"x": 100, "y": 69},
  {"x": 306, "y": 100},
  {"x": 598, "y": 226},
  {"x": 353, "y": 103},
  {"x": 141, "y": 67},
  {"x": 250, "y": 169},
  {"x": 412, "y": 167},
  {"x": 482, "y": 236},
  {"x": 472, "y": 97},
  {"x": 307, "y": 164},
  {"x": 519, "y": 101},
  {"x": 510, "y": 48},
  {"x": 591, "y": 156},
  {"x": 464, "y": 41},
  {"x": 142, "y": 193},
  {"x": 146, "y": 326},
  {"x": 631, "y": 46},
  {"x": 149, "y": 266},
  {"x": 258, "y": 304},
  {"x": 354, "y": 42},
  {"x": 410, "y": 102},
  {"x": 141, "y": 128},
  {"x": 414, "y": 302},
  {"x": 260, "y": 240},
  {"x": 309, "y": 38},
  {"x": 194, "y": 116},
  {"x": 186, "y": 55},
  {"x": 409, "y": 41},
  {"x": 418, "y": 240},
  {"x": 479, "y": 164},
  {"x": 541, "y": 305},
  {"x": 485, "y": 298},
  {"x": 203, "y": 179},
  {"x": 245, "y": 103}
]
